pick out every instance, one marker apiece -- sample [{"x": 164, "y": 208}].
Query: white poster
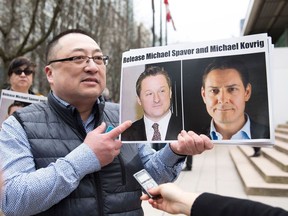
[
  {"x": 217, "y": 88},
  {"x": 11, "y": 101}
]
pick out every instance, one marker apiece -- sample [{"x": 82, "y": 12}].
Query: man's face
[
  {"x": 225, "y": 96},
  {"x": 75, "y": 82},
  {"x": 155, "y": 97}
]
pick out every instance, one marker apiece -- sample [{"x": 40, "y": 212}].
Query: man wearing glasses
[{"x": 57, "y": 157}]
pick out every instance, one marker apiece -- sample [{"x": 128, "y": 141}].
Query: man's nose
[
  {"x": 92, "y": 66},
  {"x": 156, "y": 97},
  {"x": 222, "y": 97}
]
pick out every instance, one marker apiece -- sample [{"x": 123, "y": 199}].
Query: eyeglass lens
[{"x": 26, "y": 72}]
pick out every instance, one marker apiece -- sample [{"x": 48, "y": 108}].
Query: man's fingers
[
  {"x": 208, "y": 142},
  {"x": 190, "y": 143},
  {"x": 114, "y": 133}
]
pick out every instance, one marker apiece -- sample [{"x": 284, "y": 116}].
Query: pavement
[{"x": 213, "y": 171}]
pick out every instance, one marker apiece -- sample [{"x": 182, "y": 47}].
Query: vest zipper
[
  {"x": 123, "y": 170},
  {"x": 99, "y": 194}
]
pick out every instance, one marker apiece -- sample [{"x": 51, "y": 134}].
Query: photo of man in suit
[
  {"x": 159, "y": 123},
  {"x": 225, "y": 91}
]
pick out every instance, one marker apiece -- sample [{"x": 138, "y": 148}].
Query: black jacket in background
[{"x": 215, "y": 205}]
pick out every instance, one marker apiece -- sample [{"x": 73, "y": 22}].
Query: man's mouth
[
  {"x": 95, "y": 80},
  {"x": 157, "y": 105},
  {"x": 223, "y": 109}
]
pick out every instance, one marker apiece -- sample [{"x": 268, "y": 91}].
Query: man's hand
[
  {"x": 104, "y": 145},
  {"x": 190, "y": 143}
]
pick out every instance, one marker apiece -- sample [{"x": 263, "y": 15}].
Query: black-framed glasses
[
  {"x": 81, "y": 59},
  {"x": 20, "y": 71}
]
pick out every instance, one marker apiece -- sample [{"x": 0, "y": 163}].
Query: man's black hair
[{"x": 52, "y": 43}]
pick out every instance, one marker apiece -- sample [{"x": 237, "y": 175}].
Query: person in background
[
  {"x": 59, "y": 157},
  {"x": 159, "y": 123},
  {"x": 21, "y": 73},
  {"x": 225, "y": 90},
  {"x": 188, "y": 163},
  {"x": 176, "y": 201}
]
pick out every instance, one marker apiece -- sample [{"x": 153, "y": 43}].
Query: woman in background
[{"x": 21, "y": 73}]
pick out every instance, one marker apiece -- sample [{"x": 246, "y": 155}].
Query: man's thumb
[{"x": 101, "y": 128}]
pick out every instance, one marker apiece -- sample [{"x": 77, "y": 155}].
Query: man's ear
[
  {"x": 139, "y": 101},
  {"x": 248, "y": 92},
  {"x": 203, "y": 94},
  {"x": 49, "y": 73}
]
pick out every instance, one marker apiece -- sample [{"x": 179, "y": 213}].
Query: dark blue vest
[{"x": 54, "y": 130}]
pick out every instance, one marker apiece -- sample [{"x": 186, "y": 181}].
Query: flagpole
[
  {"x": 166, "y": 33},
  {"x": 168, "y": 19},
  {"x": 160, "y": 39},
  {"x": 153, "y": 24}
]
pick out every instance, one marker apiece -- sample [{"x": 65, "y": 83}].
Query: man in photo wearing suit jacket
[
  {"x": 154, "y": 93},
  {"x": 225, "y": 90}
]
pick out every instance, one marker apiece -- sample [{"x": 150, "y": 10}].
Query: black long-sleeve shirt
[{"x": 208, "y": 204}]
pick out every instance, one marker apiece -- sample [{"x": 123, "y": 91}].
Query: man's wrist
[{"x": 169, "y": 158}]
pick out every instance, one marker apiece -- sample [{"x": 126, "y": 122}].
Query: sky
[{"x": 195, "y": 20}]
